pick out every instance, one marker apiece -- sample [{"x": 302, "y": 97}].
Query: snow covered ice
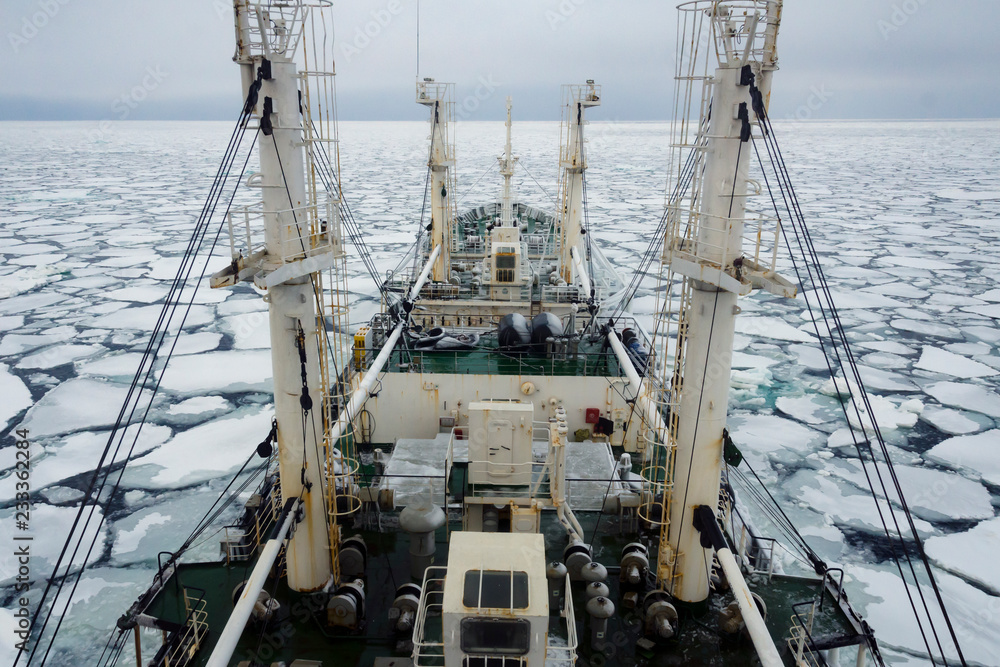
[{"x": 92, "y": 234}]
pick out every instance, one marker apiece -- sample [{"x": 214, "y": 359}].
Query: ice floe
[
  {"x": 883, "y": 601},
  {"x": 941, "y": 361},
  {"x": 16, "y": 396},
  {"x": 58, "y": 355},
  {"x": 219, "y": 371},
  {"x": 952, "y": 422},
  {"x": 966, "y": 396},
  {"x": 771, "y": 327},
  {"x": 204, "y": 452},
  {"x": 74, "y": 405},
  {"x": 978, "y": 455},
  {"x": 970, "y": 554}
]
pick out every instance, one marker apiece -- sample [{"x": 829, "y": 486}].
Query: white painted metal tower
[
  {"x": 704, "y": 247},
  {"x": 301, "y": 239},
  {"x": 438, "y": 97},
  {"x": 573, "y": 165},
  {"x": 507, "y": 162}
]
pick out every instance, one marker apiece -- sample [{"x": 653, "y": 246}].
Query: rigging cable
[
  {"x": 684, "y": 180},
  {"x": 149, "y": 357},
  {"x": 836, "y": 332}
]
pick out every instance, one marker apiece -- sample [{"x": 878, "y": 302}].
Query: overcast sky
[{"x": 76, "y": 59}]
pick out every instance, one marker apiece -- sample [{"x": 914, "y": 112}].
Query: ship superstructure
[{"x": 502, "y": 467}]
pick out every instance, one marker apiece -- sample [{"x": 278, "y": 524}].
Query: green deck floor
[{"x": 298, "y": 635}]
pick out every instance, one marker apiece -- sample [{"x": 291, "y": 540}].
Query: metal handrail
[
  {"x": 429, "y": 653},
  {"x": 801, "y": 631}
]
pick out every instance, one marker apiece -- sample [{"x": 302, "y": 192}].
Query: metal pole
[
  {"x": 248, "y": 597},
  {"x": 761, "y": 638}
]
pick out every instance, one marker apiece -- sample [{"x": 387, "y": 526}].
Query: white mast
[
  {"x": 705, "y": 245},
  {"x": 300, "y": 238},
  {"x": 438, "y": 98},
  {"x": 573, "y": 163},
  {"x": 507, "y": 161}
]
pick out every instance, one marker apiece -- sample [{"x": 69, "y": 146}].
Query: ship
[{"x": 503, "y": 466}]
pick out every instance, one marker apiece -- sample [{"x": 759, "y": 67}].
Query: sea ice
[
  {"x": 145, "y": 318},
  {"x": 978, "y": 454},
  {"x": 16, "y": 397},
  {"x": 772, "y": 327},
  {"x": 883, "y": 601},
  {"x": 193, "y": 343},
  {"x": 886, "y": 413},
  {"x": 772, "y": 437},
  {"x": 934, "y": 495},
  {"x": 199, "y": 405},
  {"x": 79, "y": 453},
  {"x": 11, "y": 322},
  {"x": 111, "y": 366},
  {"x": 810, "y": 356},
  {"x": 845, "y": 505},
  {"x": 927, "y": 328},
  {"x": 59, "y": 355},
  {"x": 14, "y": 343},
  {"x": 941, "y": 361},
  {"x": 204, "y": 452},
  {"x": 128, "y": 539},
  {"x": 219, "y": 371},
  {"x": 810, "y": 409},
  {"x": 138, "y": 293},
  {"x": 970, "y": 554},
  {"x": 889, "y": 346},
  {"x": 44, "y": 552},
  {"x": 74, "y": 405},
  {"x": 249, "y": 330},
  {"x": 850, "y": 299},
  {"x": 992, "y": 310},
  {"x": 966, "y": 396},
  {"x": 952, "y": 422}
]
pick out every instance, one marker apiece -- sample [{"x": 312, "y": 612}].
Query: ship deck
[
  {"x": 298, "y": 635},
  {"x": 591, "y": 359}
]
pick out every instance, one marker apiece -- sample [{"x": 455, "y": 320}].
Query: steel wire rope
[
  {"x": 836, "y": 331},
  {"x": 135, "y": 440},
  {"x": 328, "y": 177},
  {"x": 822, "y": 285},
  {"x": 159, "y": 333}
]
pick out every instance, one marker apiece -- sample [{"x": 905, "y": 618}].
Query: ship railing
[
  {"x": 742, "y": 28},
  {"x": 182, "y": 646},
  {"x": 563, "y": 294},
  {"x": 313, "y": 229},
  {"x": 756, "y": 249},
  {"x": 565, "y": 656},
  {"x": 429, "y": 651},
  {"x": 800, "y": 641},
  {"x": 761, "y": 556},
  {"x": 242, "y": 540},
  {"x": 500, "y": 362},
  {"x": 290, "y": 16}
]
